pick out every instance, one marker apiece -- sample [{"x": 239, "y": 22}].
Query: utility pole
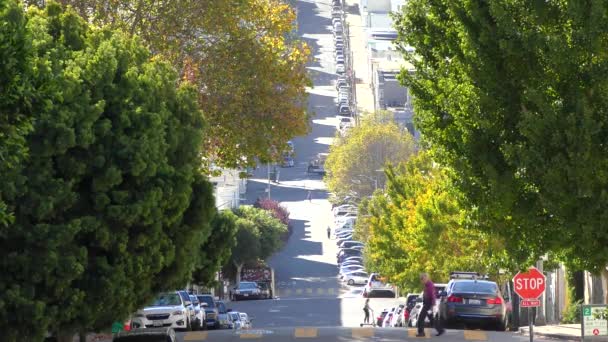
[{"x": 268, "y": 190}]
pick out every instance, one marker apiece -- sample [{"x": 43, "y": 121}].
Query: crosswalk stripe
[
  {"x": 320, "y": 291},
  {"x": 309, "y": 290},
  {"x": 362, "y": 332},
  {"x": 195, "y": 335},
  {"x": 475, "y": 335},
  {"x": 306, "y": 332},
  {"x": 248, "y": 336},
  {"x": 298, "y": 291},
  {"x": 287, "y": 292},
  {"x": 330, "y": 291}
]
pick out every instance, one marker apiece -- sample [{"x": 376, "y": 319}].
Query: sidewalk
[
  {"x": 564, "y": 332},
  {"x": 358, "y": 46}
]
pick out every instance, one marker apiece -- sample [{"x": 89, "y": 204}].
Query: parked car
[
  {"x": 344, "y": 209},
  {"x": 265, "y": 291},
  {"x": 190, "y": 306},
  {"x": 168, "y": 309},
  {"x": 211, "y": 310},
  {"x": 377, "y": 286},
  {"x": 199, "y": 313},
  {"x": 354, "y": 278},
  {"x": 474, "y": 301},
  {"x": 341, "y": 82},
  {"x": 235, "y": 319},
  {"x": 245, "y": 321},
  {"x": 348, "y": 244},
  {"x": 346, "y": 253},
  {"x": 344, "y": 109},
  {"x": 388, "y": 318},
  {"x": 381, "y": 316},
  {"x": 340, "y": 68},
  {"x": 246, "y": 290},
  {"x": 351, "y": 268},
  {"x": 398, "y": 317},
  {"x": 222, "y": 315}
]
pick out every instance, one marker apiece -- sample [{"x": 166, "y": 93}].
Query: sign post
[
  {"x": 529, "y": 286},
  {"x": 594, "y": 323}
]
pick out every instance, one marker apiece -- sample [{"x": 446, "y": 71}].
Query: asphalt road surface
[{"x": 311, "y": 303}]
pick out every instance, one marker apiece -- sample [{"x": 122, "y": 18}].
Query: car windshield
[
  {"x": 475, "y": 287},
  {"x": 208, "y": 300},
  {"x": 167, "y": 299},
  {"x": 194, "y": 300},
  {"x": 234, "y": 316},
  {"x": 247, "y": 286}
]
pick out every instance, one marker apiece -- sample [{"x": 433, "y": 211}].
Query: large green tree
[
  {"x": 511, "y": 95},
  {"x": 216, "y": 250},
  {"x": 109, "y": 204},
  {"x": 249, "y": 68},
  {"x": 15, "y": 86},
  {"x": 418, "y": 226},
  {"x": 356, "y": 160}
]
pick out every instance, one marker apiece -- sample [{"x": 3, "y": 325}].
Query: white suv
[{"x": 167, "y": 310}]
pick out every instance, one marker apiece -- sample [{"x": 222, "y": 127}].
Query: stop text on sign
[{"x": 532, "y": 283}]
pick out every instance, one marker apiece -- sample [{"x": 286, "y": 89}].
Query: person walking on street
[
  {"x": 366, "y": 311},
  {"x": 328, "y": 232},
  {"x": 428, "y": 302},
  {"x": 309, "y": 197}
]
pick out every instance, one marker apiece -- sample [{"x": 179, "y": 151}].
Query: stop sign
[{"x": 529, "y": 285}]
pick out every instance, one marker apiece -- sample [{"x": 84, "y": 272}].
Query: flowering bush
[{"x": 277, "y": 210}]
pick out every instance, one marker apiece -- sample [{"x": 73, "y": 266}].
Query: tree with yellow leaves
[
  {"x": 356, "y": 160},
  {"x": 249, "y": 69},
  {"x": 418, "y": 226}
]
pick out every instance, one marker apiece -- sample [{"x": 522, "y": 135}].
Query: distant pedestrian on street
[
  {"x": 328, "y": 232},
  {"x": 366, "y": 311},
  {"x": 309, "y": 197},
  {"x": 428, "y": 301}
]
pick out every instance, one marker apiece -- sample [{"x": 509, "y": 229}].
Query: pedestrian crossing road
[{"x": 347, "y": 334}]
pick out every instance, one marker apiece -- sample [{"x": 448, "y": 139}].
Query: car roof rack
[{"x": 468, "y": 275}]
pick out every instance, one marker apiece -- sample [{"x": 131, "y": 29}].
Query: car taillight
[
  {"x": 127, "y": 326},
  {"x": 454, "y": 299},
  {"x": 495, "y": 301}
]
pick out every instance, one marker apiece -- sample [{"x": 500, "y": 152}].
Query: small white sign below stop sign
[{"x": 529, "y": 285}]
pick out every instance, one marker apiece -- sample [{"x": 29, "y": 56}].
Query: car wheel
[
  {"x": 196, "y": 325},
  {"x": 351, "y": 282},
  {"x": 502, "y": 325}
]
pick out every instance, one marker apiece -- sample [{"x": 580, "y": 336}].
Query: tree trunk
[
  {"x": 82, "y": 336},
  {"x": 239, "y": 267}
]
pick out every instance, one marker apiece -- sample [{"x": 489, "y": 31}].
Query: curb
[{"x": 562, "y": 337}]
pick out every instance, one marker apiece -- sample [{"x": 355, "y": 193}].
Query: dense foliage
[
  {"x": 418, "y": 226},
  {"x": 109, "y": 204},
  {"x": 278, "y": 211},
  {"x": 215, "y": 252},
  {"x": 356, "y": 160},
  {"x": 511, "y": 96},
  {"x": 249, "y": 69},
  {"x": 258, "y": 235}
]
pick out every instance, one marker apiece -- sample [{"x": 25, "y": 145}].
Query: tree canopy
[
  {"x": 249, "y": 69},
  {"x": 356, "y": 160},
  {"x": 510, "y": 95},
  {"x": 109, "y": 205},
  {"x": 418, "y": 226},
  {"x": 215, "y": 252}
]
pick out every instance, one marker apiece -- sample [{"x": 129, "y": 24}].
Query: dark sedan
[
  {"x": 246, "y": 290},
  {"x": 474, "y": 301}
]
